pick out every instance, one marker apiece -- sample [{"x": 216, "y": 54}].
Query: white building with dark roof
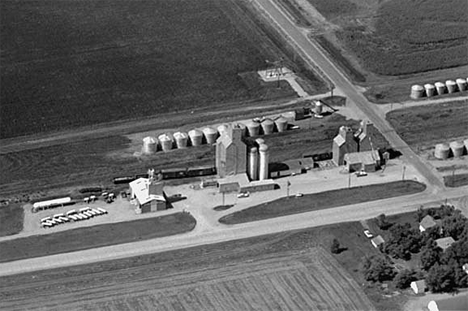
[{"x": 426, "y": 223}]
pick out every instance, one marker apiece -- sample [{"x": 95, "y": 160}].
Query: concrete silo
[
  {"x": 181, "y": 139},
  {"x": 281, "y": 124},
  {"x": 223, "y": 128},
  {"x": 210, "y": 135},
  {"x": 264, "y": 161},
  {"x": 462, "y": 84},
  {"x": 457, "y": 148},
  {"x": 253, "y": 128},
  {"x": 430, "y": 90},
  {"x": 242, "y": 127},
  {"x": 253, "y": 163},
  {"x": 451, "y": 86},
  {"x": 440, "y": 88},
  {"x": 150, "y": 145},
  {"x": 318, "y": 108},
  {"x": 166, "y": 141},
  {"x": 417, "y": 91},
  {"x": 196, "y": 137},
  {"x": 442, "y": 151},
  {"x": 260, "y": 141},
  {"x": 268, "y": 126}
]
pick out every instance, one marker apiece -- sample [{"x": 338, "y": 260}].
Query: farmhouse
[
  {"x": 377, "y": 241},
  {"x": 445, "y": 243},
  {"x": 418, "y": 286},
  {"x": 426, "y": 223}
]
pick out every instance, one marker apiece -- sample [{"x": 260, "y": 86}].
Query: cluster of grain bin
[
  {"x": 455, "y": 148},
  {"x": 439, "y": 88}
]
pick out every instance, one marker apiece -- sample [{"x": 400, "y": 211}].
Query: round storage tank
[
  {"x": 462, "y": 84},
  {"x": 417, "y": 91},
  {"x": 253, "y": 128},
  {"x": 430, "y": 90},
  {"x": 281, "y": 124},
  {"x": 318, "y": 107},
  {"x": 440, "y": 88},
  {"x": 223, "y": 128},
  {"x": 150, "y": 145},
  {"x": 253, "y": 163},
  {"x": 196, "y": 137},
  {"x": 451, "y": 86},
  {"x": 210, "y": 135},
  {"x": 264, "y": 161},
  {"x": 166, "y": 141},
  {"x": 457, "y": 148},
  {"x": 181, "y": 140},
  {"x": 268, "y": 126},
  {"x": 442, "y": 151},
  {"x": 260, "y": 141}
]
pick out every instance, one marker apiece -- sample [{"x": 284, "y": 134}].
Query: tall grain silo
[
  {"x": 264, "y": 161},
  {"x": 281, "y": 124},
  {"x": 150, "y": 145},
  {"x": 442, "y": 151},
  {"x": 440, "y": 88},
  {"x": 268, "y": 126},
  {"x": 253, "y": 128},
  {"x": 196, "y": 137},
  {"x": 457, "y": 148},
  {"x": 451, "y": 86},
  {"x": 223, "y": 128},
  {"x": 242, "y": 127},
  {"x": 417, "y": 91},
  {"x": 253, "y": 163},
  {"x": 166, "y": 141},
  {"x": 462, "y": 84},
  {"x": 181, "y": 139},
  {"x": 210, "y": 135},
  {"x": 430, "y": 89}
]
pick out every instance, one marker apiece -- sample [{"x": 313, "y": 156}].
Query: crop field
[
  {"x": 323, "y": 200},
  {"x": 67, "y": 64},
  {"x": 400, "y": 37},
  {"x": 11, "y": 219},
  {"x": 95, "y": 236}
]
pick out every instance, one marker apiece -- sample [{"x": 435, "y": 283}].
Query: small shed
[
  {"x": 445, "y": 243},
  {"x": 465, "y": 268},
  {"x": 377, "y": 241},
  {"x": 426, "y": 223},
  {"x": 418, "y": 287}
]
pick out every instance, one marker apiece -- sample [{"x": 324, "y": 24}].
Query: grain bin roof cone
[
  {"x": 150, "y": 145},
  {"x": 210, "y": 135},
  {"x": 281, "y": 124},
  {"x": 253, "y": 128},
  {"x": 440, "y": 88},
  {"x": 458, "y": 148},
  {"x": 181, "y": 139},
  {"x": 268, "y": 126},
  {"x": 264, "y": 161},
  {"x": 442, "y": 151},
  {"x": 462, "y": 84},
  {"x": 430, "y": 89},
  {"x": 253, "y": 163},
  {"x": 417, "y": 91},
  {"x": 451, "y": 86},
  {"x": 166, "y": 141},
  {"x": 196, "y": 137}
]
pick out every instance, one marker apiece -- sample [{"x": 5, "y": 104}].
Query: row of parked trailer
[{"x": 72, "y": 215}]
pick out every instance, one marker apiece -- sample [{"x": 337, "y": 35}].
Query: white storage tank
[
  {"x": 210, "y": 135},
  {"x": 264, "y": 160},
  {"x": 253, "y": 128},
  {"x": 223, "y": 128},
  {"x": 166, "y": 141},
  {"x": 281, "y": 124},
  {"x": 430, "y": 89},
  {"x": 318, "y": 108},
  {"x": 417, "y": 91},
  {"x": 451, "y": 86},
  {"x": 253, "y": 163},
  {"x": 462, "y": 85},
  {"x": 196, "y": 137},
  {"x": 457, "y": 148},
  {"x": 268, "y": 126},
  {"x": 150, "y": 145},
  {"x": 442, "y": 151},
  {"x": 181, "y": 139},
  {"x": 260, "y": 141},
  {"x": 440, "y": 88}
]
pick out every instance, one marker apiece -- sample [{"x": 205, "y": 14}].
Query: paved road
[{"x": 317, "y": 58}]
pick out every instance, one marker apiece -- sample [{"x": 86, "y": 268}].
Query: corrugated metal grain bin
[
  {"x": 440, "y": 88},
  {"x": 281, "y": 124},
  {"x": 181, "y": 140},
  {"x": 150, "y": 145},
  {"x": 253, "y": 128},
  {"x": 442, "y": 151},
  {"x": 462, "y": 84},
  {"x": 196, "y": 137},
  {"x": 166, "y": 141},
  {"x": 268, "y": 126},
  {"x": 417, "y": 91},
  {"x": 430, "y": 89},
  {"x": 210, "y": 135},
  {"x": 451, "y": 86},
  {"x": 458, "y": 148}
]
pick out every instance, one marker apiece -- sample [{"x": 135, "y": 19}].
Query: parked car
[
  {"x": 298, "y": 195},
  {"x": 102, "y": 210},
  {"x": 368, "y": 234},
  {"x": 243, "y": 195},
  {"x": 361, "y": 173}
]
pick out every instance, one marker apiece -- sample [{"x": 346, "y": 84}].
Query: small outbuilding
[
  {"x": 426, "y": 223},
  {"x": 377, "y": 241},
  {"x": 445, "y": 243},
  {"x": 457, "y": 303},
  {"x": 418, "y": 287}
]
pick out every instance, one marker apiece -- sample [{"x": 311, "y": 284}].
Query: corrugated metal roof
[
  {"x": 365, "y": 157},
  {"x": 140, "y": 188},
  {"x": 339, "y": 140}
]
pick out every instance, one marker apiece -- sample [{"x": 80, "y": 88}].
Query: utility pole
[
  {"x": 287, "y": 189},
  {"x": 403, "y": 174},
  {"x": 453, "y": 176},
  {"x": 223, "y": 198},
  {"x": 349, "y": 180}
]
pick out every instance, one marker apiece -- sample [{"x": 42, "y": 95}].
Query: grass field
[
  {"x": 457, "y": 180},
  {"x": 95, "y": 236},
  {"x": 287, "y": 271},
  {"x": 424, "y": 126},
  {"x": 399, "y": 37},
  {"x": 11, "y": 219},
  {"x": 78, "y": 63},
  {"x": 323, "y": 200}
]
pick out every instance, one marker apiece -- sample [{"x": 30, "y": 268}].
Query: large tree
[
  {"x": 403, "y": 241},
  {"x": 430, "y": 255},
  {"x": 441, "y": 278},
  {"x": 404, "y": 278},
  {"x": 377, "y": 269}
]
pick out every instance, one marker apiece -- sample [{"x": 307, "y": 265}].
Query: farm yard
[{"x": 77, "y": 63}]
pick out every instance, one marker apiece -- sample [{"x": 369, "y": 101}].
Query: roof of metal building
[
  {"x": 365, "y": 157},
  {"x": 140, "y": 188}
]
